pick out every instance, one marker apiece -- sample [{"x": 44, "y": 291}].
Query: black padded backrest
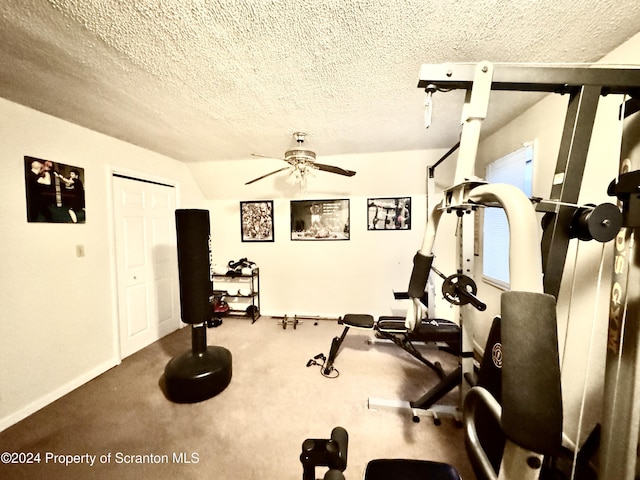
[
  {"x": 531, "y": 392},
  {"x": 419, "y": 274},
  {"x": 192, "y": 229}
]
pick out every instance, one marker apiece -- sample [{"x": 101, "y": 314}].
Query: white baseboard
[{"x": 59, "y": 392}]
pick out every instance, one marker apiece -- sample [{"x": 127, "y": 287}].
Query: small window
[{"x": 516, "y": 169}]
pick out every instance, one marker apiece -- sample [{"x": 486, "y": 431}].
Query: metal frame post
[{"x": 572, "y": 157}]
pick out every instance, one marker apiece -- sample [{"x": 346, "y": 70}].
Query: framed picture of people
[
  {"x": 392, "y": 213},
  {"x": 320, "y": 220},
  {"x": 55, "y": 191},
  {"x": 256, "y": 220}
]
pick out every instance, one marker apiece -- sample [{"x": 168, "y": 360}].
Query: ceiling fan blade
[
  {"x": 332, "y": 169},
  {"x": 265, "y": 176},
  {"x": 266, "y": 156}
]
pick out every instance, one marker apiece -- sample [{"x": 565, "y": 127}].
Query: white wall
[
  {"x": 57, "y": 309},
  {"x": 326, "y": 278}
]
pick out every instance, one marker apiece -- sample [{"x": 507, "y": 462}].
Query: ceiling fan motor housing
[{"x": 299, "y": 155}]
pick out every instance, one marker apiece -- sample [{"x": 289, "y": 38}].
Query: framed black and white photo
[
  {"x": 320, "y": 220},
  {"x": 391, "y": 213},
  {"x": 256, "y": 221},
  {"x": 55, "y": 191}
]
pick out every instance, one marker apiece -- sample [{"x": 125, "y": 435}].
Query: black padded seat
[
  {"x": 358, "y": 320},
  {"x": 399, "y": 469}
]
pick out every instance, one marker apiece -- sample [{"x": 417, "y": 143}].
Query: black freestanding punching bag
[{"x": 205, "y": 371}]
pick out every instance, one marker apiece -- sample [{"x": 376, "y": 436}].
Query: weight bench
[{"x": 445, "y": 333}]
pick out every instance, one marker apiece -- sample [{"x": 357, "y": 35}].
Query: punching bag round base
[{"x": 196, "y": 376}]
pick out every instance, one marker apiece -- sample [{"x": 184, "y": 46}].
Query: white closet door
[{"x": 147, "y": 265}]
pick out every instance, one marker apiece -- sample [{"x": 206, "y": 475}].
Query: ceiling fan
[{"x": 302, "y": 162}]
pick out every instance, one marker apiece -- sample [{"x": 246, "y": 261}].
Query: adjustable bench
[{"x": 445, "y": 333}]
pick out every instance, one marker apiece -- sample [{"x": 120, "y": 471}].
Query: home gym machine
[
  {"x": 205, "y": 371},
  {"x": 564, "y": 220}
]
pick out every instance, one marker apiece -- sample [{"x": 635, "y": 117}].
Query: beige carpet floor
[{"x": 252, "y": 430}]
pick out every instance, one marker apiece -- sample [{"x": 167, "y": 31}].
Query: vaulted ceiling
[{"x": 205, "y": 80}]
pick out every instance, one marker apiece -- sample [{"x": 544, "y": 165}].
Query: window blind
[{"x": 515, "y": 169}]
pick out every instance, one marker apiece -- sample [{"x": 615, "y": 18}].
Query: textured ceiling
[{"x": 208, "y": 80}]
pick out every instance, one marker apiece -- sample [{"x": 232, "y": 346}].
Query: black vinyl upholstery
[
  {"x": 400, "y": 469},
  {"x": 531, "y": 388}
]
